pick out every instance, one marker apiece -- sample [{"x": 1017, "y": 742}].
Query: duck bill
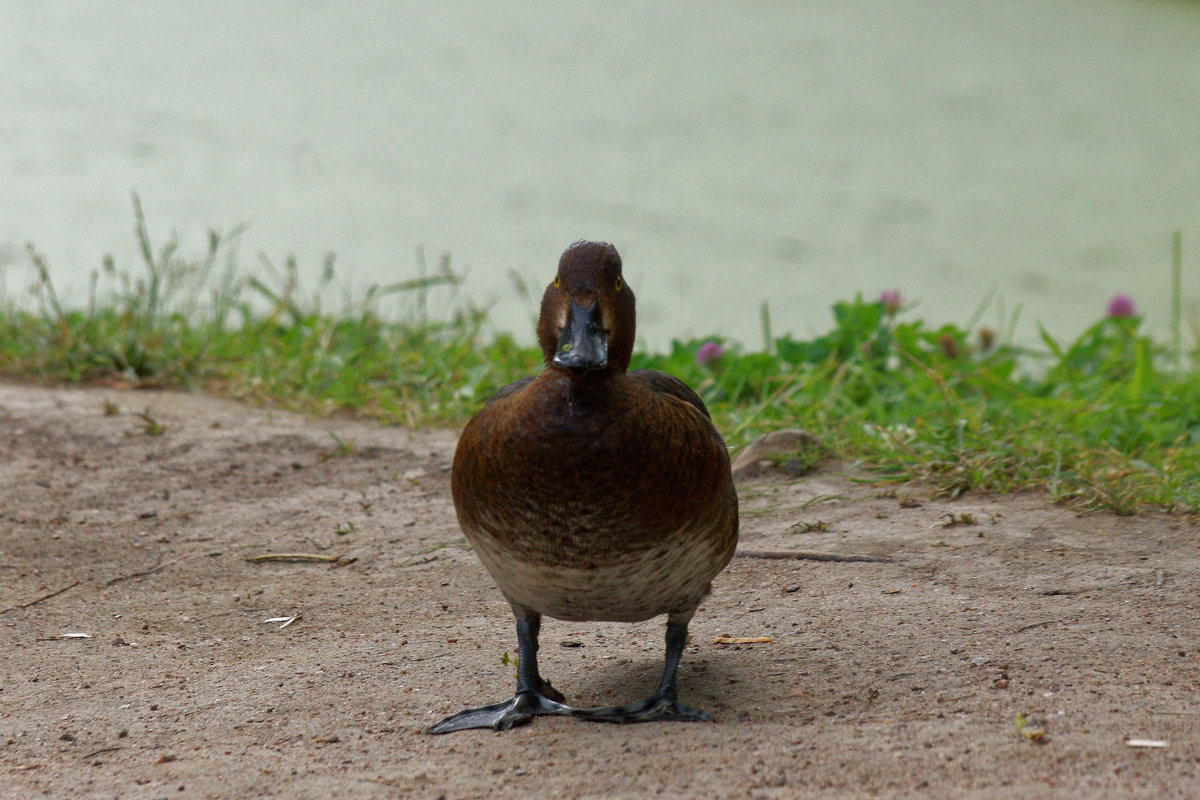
[{"x": 583, "y": 343}]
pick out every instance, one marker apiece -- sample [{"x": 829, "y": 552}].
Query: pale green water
[{"x": 792, "y": 152}]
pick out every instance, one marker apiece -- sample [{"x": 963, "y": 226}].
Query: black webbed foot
[
  {"x": 522, "y": 708},
  {"x": 658, "y": 708},
  {"x": 535, "y": 696},
  {"x": 663, "y": 705}
]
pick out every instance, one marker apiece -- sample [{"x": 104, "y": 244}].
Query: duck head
[{"x": 588, "y": 314}]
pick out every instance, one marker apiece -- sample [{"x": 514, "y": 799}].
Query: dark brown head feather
[{"x": 590, "y": 272}]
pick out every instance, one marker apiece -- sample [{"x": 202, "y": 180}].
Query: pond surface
[{"x": 794, "y": 153}]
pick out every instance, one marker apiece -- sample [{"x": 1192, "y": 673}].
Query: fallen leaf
[{"x": 1031, "y": 727}]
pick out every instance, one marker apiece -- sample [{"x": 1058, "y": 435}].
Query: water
[{"x": 790, "y": 152}]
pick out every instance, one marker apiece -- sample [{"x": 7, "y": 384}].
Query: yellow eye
[
  {"x": 619, "y": 284},
  {"x": 557, "y": 282}
]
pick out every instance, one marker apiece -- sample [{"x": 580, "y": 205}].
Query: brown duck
[{"x": 593, "y": 493}]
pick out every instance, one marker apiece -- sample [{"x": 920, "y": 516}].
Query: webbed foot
[
  {"x": 522, "y": 708},
  {"x": 658, "y": 708},
  {"x": 663, "y": 705}
]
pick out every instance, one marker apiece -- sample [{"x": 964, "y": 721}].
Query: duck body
[
  {"x": 591, "y": 492},
  {"x": 609, "y": 499}
]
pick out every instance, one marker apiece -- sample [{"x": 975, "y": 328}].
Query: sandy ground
[{"x": 894, "y": 679}]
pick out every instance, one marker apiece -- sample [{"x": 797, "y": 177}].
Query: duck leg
[
  {"x": 664, "y": 703},
  {"x": 535, "y": 697}
]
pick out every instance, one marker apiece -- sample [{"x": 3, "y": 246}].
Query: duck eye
[{"x": 619, "y": 284}]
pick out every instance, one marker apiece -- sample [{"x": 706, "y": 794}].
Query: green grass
[{"x": 1109, "y": 421}]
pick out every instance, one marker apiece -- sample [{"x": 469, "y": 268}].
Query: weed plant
[{"x": 1109, "y": 421}]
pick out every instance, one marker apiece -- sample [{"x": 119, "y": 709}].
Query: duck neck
[{"x": 584, "y": 394}]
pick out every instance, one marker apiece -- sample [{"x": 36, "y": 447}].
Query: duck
[{"x": 592, "y": 492}]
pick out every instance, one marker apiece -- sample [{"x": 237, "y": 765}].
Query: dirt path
[{"x": 892, "y": 679}]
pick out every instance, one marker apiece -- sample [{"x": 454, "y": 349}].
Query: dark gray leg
[
  {"x": 528, "y": 676},
  {"x": 663, "y": 704},
  {"x": 535, "y": 697}
]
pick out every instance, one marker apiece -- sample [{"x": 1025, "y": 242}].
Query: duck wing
[
  {"x": 663, "y": 383},
  {"x": 512, "y": 388}
]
